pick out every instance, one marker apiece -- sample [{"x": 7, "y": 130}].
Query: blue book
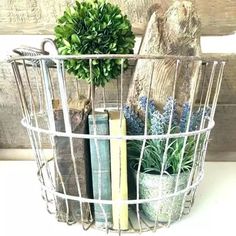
[{"x": 101, "y": 174}]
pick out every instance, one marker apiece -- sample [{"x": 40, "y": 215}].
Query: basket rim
[
  {"x": 27, "y": 125},
  {"x": 203, "y": 58}
]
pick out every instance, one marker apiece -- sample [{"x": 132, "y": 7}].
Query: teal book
[{"x": 101, "y": 170}]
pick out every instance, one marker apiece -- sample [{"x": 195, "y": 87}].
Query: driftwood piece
[
  {"x": 175, "y": 32},
  {"x": 64, "y": 161}
]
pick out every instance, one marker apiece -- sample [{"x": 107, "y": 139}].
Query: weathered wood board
[
  {"x": 223, "y": 136},
  {"x": 13, "y": 135},
  {"x": 228, "y": 88},
  {"x": 39, "y": 16},
  {"x": 174, "y": 32}
]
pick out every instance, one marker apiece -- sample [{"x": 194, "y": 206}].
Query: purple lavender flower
[
  {"x": 167, "y": 111},
  {"x": 197, "y": 118},
  {"x": 151, "y": 105},
  {"x": 157, "y": 123},
  {"x": 135, "y": 125},
  {"x": 184, "y": 117},
  {"x": 143, "y": 102}
]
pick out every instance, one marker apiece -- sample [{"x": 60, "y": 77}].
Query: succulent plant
[{"x": 94, "y": 27}]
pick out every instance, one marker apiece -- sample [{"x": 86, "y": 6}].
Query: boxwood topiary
[{"x": 94, "y": 27}]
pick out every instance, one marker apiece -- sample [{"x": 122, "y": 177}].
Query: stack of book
[{"x": 101, "y": 167}]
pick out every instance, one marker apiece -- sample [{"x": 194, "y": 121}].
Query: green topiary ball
[{"x": 94, "y": 27}]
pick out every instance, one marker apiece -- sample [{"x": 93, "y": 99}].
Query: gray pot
[{"x": 149, "y": 187}]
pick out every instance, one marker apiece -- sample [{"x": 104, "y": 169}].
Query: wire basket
[{"x": 139, "y": 174}]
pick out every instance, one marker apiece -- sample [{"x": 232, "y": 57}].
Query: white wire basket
[{"x": 123, "y": 181}]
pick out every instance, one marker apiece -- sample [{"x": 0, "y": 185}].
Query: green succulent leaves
[{"x": 94, "y": 27}]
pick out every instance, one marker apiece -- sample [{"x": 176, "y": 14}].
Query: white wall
[{"x": 209, "y": 44}]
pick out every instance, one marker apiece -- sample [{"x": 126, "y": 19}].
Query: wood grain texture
[
  {"x": 39, "y": 17},
  {"x": 223, "y": 136},
  {"x": 13, "y": 135},
  {"x": 174, "y": 32},
  {"x": 228, "y": 88}
]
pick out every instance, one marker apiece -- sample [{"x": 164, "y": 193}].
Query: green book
[{"x": 101, "y": 174}]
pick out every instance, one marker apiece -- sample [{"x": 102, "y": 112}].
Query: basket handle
[{"x": 44, "y": 42}]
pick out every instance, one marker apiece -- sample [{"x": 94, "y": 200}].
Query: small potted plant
[
  {"x": 160, "y": 157},
  {"x": 91, "y": 27}
]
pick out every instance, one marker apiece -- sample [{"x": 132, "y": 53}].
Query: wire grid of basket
[{"x": 42, "y": 80}]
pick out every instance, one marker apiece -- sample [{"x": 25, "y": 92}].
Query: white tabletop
[{"x": 23, "y": 212}]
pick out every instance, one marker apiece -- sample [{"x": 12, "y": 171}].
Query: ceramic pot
[{"x": 149, "y": 187}]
